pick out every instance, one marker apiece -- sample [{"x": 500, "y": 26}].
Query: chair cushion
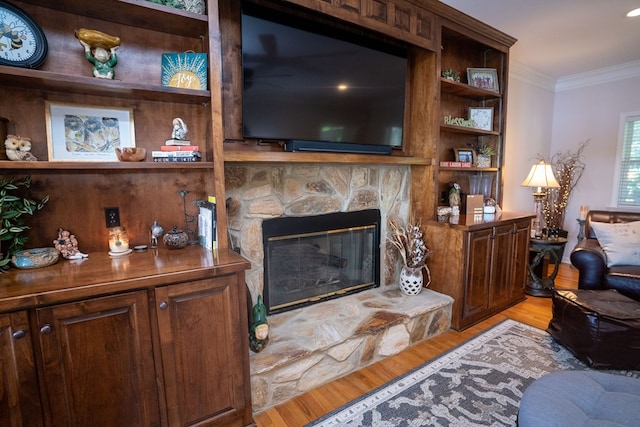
[
  {"x": 621, "y": 242},
  {"x": 581, "y": 398}
]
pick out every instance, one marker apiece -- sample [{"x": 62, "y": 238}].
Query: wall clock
[
  {"x": 22, "y": 41},
  {"x": 482, "y": 116}
]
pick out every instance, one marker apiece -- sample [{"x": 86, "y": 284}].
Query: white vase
[{"x": 411, "y": 280}]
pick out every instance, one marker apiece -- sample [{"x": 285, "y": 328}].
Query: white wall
[{"x": 542, "y": 121}]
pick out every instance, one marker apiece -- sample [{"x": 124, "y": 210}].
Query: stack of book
[{"x": 177, "y": 150}]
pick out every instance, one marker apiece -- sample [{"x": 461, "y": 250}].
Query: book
[
  {"x": 211, "y": 201},
  {"x": 456, "y": 164},
  {"x": 176, "y": 159},
  {"x": 179, "y": 148},
  {"x": 177, "y": 142},
  {"x": 207, "y": 224},
  {"x": 170, "y": 154}
]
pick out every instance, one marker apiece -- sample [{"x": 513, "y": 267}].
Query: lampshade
[{"x": 541, "y": 176}]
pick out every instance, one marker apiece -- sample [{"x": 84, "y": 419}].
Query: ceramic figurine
[
  {"x": 100, "y": 50},
  {"x": 454, "y": 199},
  {"x": 259, "y": 328},
  {"x": 18, "y": 148},
  {"x": 156, "y": 232},
  {"x": 67, "y": 244},
  {"x": 179, "y": 129}
]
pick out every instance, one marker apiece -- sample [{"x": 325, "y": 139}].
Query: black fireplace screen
[{"x": 311, "y": 259}]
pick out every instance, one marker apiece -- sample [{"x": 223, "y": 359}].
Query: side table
[{"x": 543, "y": 286}]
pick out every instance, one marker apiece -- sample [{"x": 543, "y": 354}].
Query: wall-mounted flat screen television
[{"x": 318, "y": 85}]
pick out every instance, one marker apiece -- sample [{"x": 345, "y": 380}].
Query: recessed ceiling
[{"x": 559, "y": 38}]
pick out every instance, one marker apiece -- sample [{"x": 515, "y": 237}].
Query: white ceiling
[{"x": 559, "y": 38}]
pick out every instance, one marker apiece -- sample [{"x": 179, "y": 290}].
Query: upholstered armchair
[{"x": 609, "y": 255}]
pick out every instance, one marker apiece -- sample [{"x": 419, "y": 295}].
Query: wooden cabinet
[
  {"x": 19, "y": 397},
  {"x": 97, "y": 362},
  {"x": 481, "y": 264},
  {"x": 199, "y": 325},
  {"x": 154, "y": 339}
]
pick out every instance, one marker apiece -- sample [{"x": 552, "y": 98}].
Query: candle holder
[
  {"x": 581, "y": 223},
  {"x": 189, "y": 220}
]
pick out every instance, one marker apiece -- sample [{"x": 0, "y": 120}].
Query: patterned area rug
[{"x": 478, "y": 383}]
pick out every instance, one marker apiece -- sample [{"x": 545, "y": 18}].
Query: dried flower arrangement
[
  {"x": 567, "y": 168},
  {"x": 410, "y": 243}
]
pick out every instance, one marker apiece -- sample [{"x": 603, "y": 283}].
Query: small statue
[
  {"x": 454, "y": 199},
  {"x": 156, "y": 232},
  {"x": 18, "y": 148},
  {"x": 100, "y": 50},
  {"x": 259, "y": 328},
  {"x": 179, "y": 129},
  {"x": 67, "y": 245}
]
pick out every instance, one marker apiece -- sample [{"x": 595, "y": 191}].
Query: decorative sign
[{"x": 185, "y": 70}]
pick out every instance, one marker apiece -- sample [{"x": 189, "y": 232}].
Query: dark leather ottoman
[{"x": 601, "y": 327}]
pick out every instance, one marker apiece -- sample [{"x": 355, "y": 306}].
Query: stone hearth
[{"x": 313, "y": 345}]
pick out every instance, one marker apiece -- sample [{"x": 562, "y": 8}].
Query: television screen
[{"x": 300, "y": 84}]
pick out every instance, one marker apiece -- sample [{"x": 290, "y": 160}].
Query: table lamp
[{"x": 540, "y": 178}]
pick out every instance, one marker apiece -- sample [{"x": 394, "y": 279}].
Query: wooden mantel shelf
[{"x": 282, "y": 157}]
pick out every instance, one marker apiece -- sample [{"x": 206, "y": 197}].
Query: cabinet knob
[
  {"x": 18, "y": 334},
  {"x": 46, "y": 329},
  {"x": 164, "y": 305}
]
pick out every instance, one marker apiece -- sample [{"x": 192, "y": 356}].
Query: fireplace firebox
[{"x": 310, "y": 259}]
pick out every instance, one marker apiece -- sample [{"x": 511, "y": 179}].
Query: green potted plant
[
  {"x": 483, "y": 154},
  {"x": 13, "y": 209}
]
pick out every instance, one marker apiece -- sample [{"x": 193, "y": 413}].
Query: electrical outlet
[{"x": 112, "y": 217}]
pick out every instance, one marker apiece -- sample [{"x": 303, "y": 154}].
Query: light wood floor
[{"x": 311, "y": 405}]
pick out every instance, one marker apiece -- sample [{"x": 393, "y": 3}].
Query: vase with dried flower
[
  {"x": 414, "y": 252},
  {"x": 567, "y": 168}
]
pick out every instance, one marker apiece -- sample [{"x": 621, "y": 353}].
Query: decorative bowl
[
  {"x": 131, "y": 154},
  {"x": 35, "y": 258},
  {"x": 176, "y": 239}
]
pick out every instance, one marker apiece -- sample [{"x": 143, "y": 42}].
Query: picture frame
[
  {"x": 465, "y": 155},
  {"x": 87, "y": 133},
  {"x": 482, "y": 116},
  {"x": 483, "y": 78}
]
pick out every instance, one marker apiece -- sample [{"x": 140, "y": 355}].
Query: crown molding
[
  {"x": 528, "y": 75},
  {"x": 600, "y": 76}
]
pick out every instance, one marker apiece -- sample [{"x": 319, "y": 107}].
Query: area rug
[{"x": 477, "y": 383}]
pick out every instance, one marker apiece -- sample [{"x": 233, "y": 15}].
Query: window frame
[{"x": 615, "y": 196}]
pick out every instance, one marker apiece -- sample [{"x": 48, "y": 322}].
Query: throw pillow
[{"x": 620, "y": 242}]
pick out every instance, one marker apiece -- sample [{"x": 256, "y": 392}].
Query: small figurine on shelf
[
  {"x": 454, "y": 199},
  {"x": 156, "y": 232},
  {"x": 258, "y": 328},
  {"x": 179, "y": 129},
  {"x": 67, "y": 245},
  {"x": 100, "y": 49},
  {"x": 18, "y": 148}
]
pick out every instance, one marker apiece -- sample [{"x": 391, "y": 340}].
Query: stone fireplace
[
  {"x": 314, "y": 344},
  {"x": 315, "y": 258}
]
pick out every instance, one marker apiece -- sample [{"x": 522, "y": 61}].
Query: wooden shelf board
[
  {"x": 468, "y": 131},
  {"x": 82, "y": 84},
  {"x": 44, "y": 165},
  {"x": 282, "y": 157},
  {"x": 462, "y": 89}
]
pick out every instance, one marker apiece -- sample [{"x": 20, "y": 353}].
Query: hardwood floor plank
[{"x": 315, "y": 403}]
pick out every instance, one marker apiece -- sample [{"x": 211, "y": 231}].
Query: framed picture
[
  {"x": 465, "y": 155},
  {"x": 483, "y": 78},
  {"x": 482, "y": 116},
  {"x": 82, "y": 133}
]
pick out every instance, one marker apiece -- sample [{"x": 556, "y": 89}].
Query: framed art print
[
  {"x": 185, "y": 70},
  {"x": 466, "y": 155},
  {"x": 482, "y": 117},
  {"x": 81, "y": 133},
  {"x": 483, "y": 78}
]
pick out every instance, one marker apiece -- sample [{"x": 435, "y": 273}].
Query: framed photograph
[
  {"x": 482, "y": 116},
  {"x": 483, "y": 78},
  {"x": 465, "y": 155},
  {"x": 82, "y": 133}
]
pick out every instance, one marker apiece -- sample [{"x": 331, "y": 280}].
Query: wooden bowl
[
  {"x": 35, "y": 258},
  {"x": 131, "y": 154}
]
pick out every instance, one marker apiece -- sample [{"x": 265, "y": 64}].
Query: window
[{"x": 628, "y": 193}]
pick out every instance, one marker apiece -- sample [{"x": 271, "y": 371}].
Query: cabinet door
[
  {"x": 501, "y": 265},
  {"x": 476, "y": 297},
  {"x": 203, "y": 334},
  {"x": 98, "y": 362},
  {"x": 519, "y": 267},
  {"x": 19, "y": 395}
]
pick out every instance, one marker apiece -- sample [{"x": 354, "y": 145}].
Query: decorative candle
[
  {"x": 118, "y": 240},
  {"x": 583, "y": 212}
]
